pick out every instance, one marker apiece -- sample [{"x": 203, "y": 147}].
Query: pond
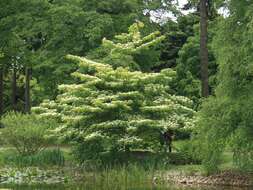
[{"x": 98, "y": 187}]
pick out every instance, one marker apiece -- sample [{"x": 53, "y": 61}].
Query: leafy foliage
[
  {"x": 27, "y": 133},
  {"x": 176, "y": 35},
  {"x": 188, "y": 67},
  {"x": 115, "y": 105},
  {"x": 226, "y": 119},
  {"x": 39, "y": 34},
  {"x": 117, "y": 109},
  {"x": 130, "y": 49}
]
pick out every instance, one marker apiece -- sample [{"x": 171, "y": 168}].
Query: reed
[
  {"x": 53, "y": 157},
  {"x": 121, "y": 178}
]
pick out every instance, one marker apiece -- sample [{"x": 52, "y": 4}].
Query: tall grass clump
[
  {"x": 122, "y": 177},
  {"x": 53, "y": 157}
]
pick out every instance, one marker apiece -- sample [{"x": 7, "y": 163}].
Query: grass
[
  {"x": 179, "y": 144},
  {"x": 189, "y": 169},
  {"x": 123, "y": 175},
  {"x": 131, "y": 176},
  {"x": 227, "y": 161},
  {"x": 50, "y": 157}
]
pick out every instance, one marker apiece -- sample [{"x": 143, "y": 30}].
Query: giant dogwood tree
[
  {"x": 117, "y": 109},
  {"x": 133, "y": 49}
]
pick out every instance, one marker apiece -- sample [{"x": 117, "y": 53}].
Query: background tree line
[{"x": 36, "y": 35}]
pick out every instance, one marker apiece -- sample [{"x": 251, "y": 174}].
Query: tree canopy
[
  {"x": 131, "y": 49},
  {"x": 118, "y": 108},
  {"x": 226, "y": 119}
]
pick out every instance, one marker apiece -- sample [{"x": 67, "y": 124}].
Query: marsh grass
[
  {"x": 121, "y": 178},
  {"x": 54, "y": 157}
]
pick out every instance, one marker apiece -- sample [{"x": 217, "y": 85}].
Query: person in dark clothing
[{"x": 166, "y": 140}]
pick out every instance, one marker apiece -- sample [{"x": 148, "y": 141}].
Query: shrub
[
  {"x": 26, "y": 133},
  {"x": 90, "y": 149},
  {"x": 181, "y": 158},
  {"x": 189, "y": 150}
]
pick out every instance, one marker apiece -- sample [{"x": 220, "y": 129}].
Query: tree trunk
[
  {"x": 14, "y": 89},
  {"x": 1, "y": 91},
  {"x": 203, "y": 47},
  {"x": 27, "y": 90}
]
